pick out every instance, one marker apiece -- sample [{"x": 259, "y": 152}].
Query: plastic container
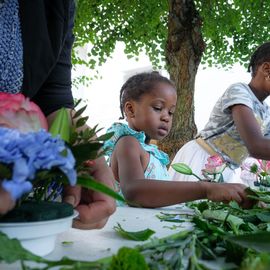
[{"x": 38, "y": 237}]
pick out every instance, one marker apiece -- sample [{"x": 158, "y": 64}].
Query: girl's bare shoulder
[{"x": 128, "y": 143}]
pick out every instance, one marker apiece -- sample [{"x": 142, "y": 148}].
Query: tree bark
[{"x": 184, "y": 50}]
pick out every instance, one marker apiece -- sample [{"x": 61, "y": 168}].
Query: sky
[{"x": 102, "y": 95}]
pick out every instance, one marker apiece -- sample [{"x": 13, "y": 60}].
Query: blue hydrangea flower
[
  {"x": 17, "y": 189},
  {"x": 29, "y": 153}
]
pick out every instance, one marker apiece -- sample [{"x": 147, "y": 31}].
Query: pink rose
[
  {"x": 215, "y": 164},
  {"x": 19, "y": 112}
]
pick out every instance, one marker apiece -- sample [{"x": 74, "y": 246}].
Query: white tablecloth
[{"x": 94, "y": 244}]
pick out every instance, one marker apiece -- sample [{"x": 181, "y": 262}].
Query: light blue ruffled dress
[{"x": 156, "y": 168}]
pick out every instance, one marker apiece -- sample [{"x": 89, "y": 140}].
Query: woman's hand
[
  {"x": 6, "y": 203},
  {"x": 94, "y": 207}
]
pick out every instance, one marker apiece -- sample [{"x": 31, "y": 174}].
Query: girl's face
[
  {"x": 260, "y": 82},
  {"x": 153, "y": 113}
]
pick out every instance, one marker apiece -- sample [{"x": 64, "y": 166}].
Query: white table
[{"x": 95, "y": 244}]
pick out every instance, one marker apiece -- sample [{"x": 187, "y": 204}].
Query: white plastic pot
[{"x": 38, "y": 237}]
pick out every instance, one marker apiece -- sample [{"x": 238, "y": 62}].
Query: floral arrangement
[
  {"x": 256, "y": 172},
  {"x": 35, "y": 162},
  {"x": 212, "y": 172}
]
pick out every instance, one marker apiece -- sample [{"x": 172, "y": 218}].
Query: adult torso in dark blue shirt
[{"x": 47, "y": 42}]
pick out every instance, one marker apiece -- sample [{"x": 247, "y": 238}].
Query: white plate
[{"x": 38, "y": 237}]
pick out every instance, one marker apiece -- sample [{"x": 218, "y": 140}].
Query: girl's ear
[{"x": 129, "y": 109}]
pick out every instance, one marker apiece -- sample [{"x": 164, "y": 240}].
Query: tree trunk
[{"x": 184, "y": 50}]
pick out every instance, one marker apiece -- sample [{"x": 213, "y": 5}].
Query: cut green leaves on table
[{"x": 136, "y": 236}]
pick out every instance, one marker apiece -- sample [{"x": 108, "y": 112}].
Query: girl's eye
[
  {"x": 171, "y": 113},
  {"x": 157, "y": 109}
]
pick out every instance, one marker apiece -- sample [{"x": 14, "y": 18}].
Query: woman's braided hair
[
  {"x": 261, "y": 55},
  {"x": 138, "y": 85}
]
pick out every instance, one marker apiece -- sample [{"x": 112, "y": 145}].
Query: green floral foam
[{"x": 38, "y": 211}]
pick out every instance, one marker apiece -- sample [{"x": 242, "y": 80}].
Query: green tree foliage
[
  {"x": 231, "y": 28},
  {"x": 140, "y": 24},
  {"x": 176, "y": 34}
]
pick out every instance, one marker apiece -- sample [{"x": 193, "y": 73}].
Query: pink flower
[
  {"x": 248, "y": 176},
  {"x": 251, "y": 165},
  {"x": 19, "y": 112},
  {"x": 250, "y": 170},
  {"x": 215, "y": 165},
  {"x": 265, "y": 165}
]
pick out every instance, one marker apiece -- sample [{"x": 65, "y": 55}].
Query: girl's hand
[{"x": 228, "y": 192}]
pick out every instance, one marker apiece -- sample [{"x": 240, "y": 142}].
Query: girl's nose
[{"x": 165, "y": 117}]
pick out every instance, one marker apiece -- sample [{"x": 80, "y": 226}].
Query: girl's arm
[
  {"x": 250, "y": 132},
  {"x": 139, "y": 191}
]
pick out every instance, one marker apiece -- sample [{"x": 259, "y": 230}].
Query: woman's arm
[{"x": 250, "y": 132}]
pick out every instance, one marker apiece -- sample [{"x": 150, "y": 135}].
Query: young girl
[
  {"x": 239, "y": 124},
  {"x": 148, "y": 101}
]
